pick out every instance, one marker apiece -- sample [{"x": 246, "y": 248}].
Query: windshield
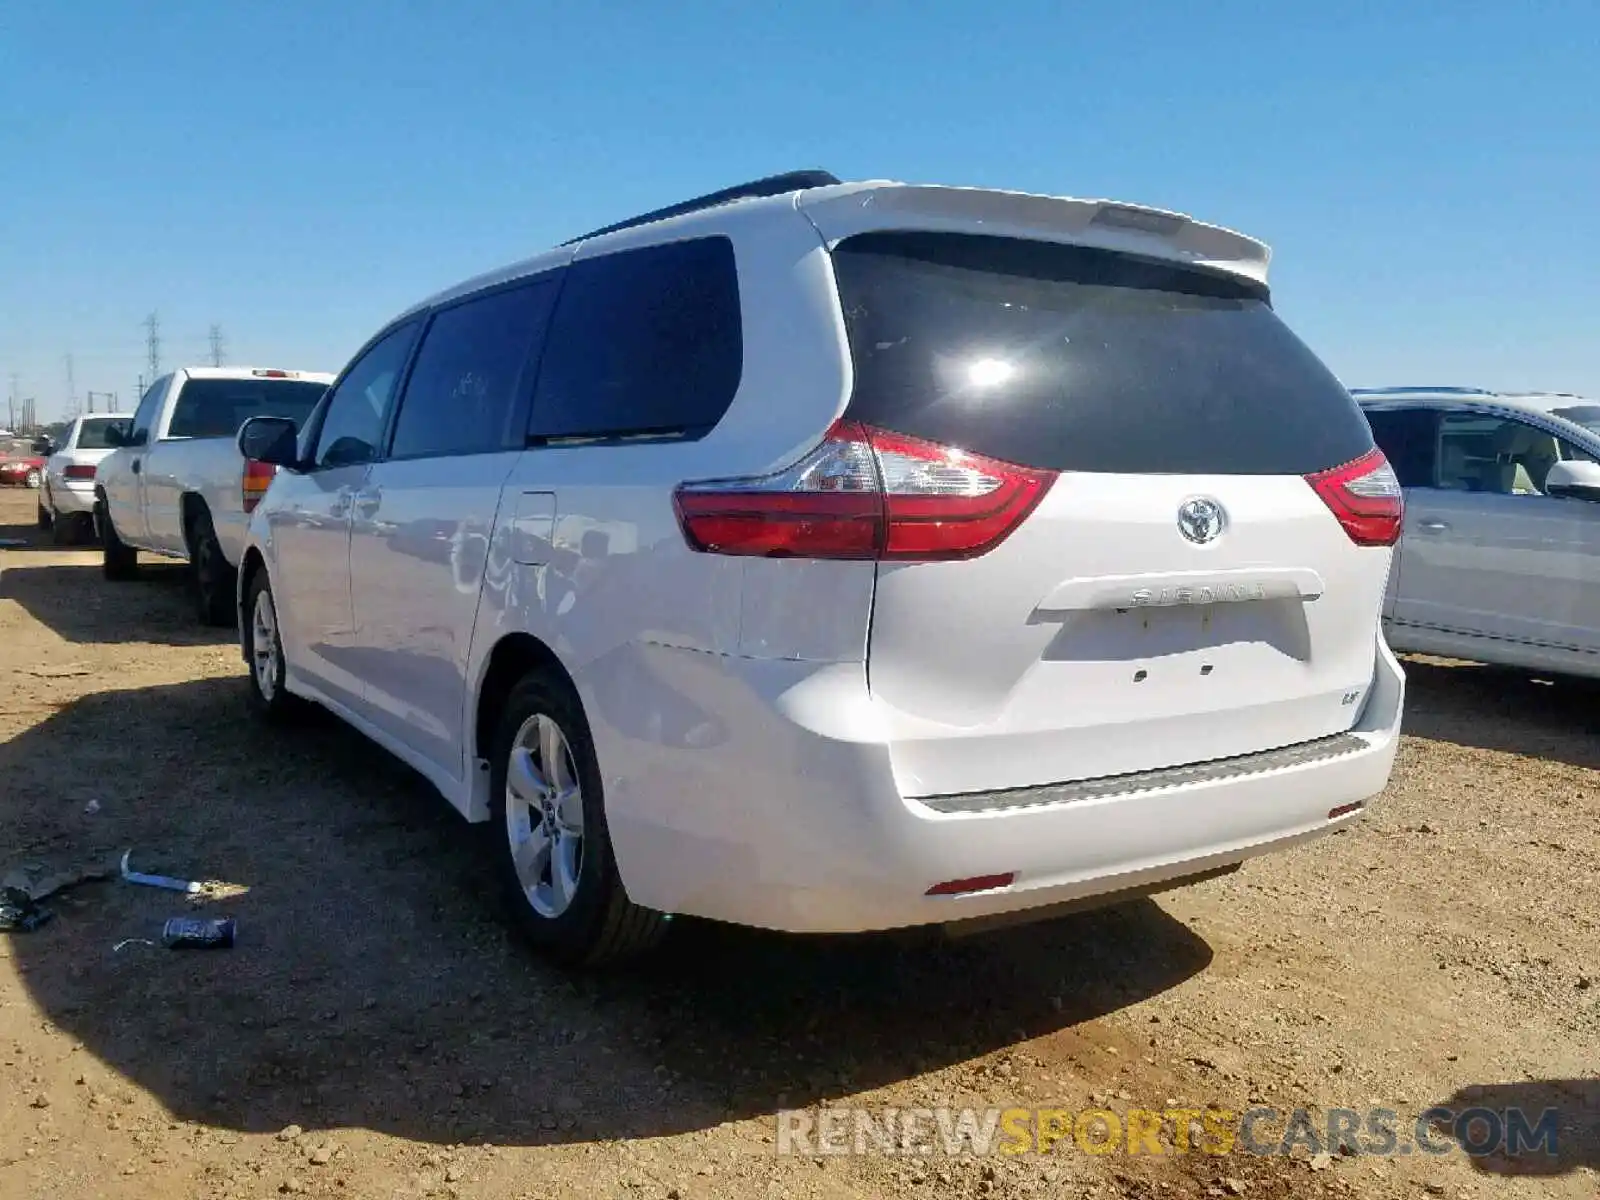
[
  {"x": 217, "y": 407},
  {"x": 1076, "y": 359},
  {"x": 1587, "y": 415},
  {"x": 94, "y": 433}
]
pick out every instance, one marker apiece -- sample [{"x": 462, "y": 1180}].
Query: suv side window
[
  {"x": 145, "y": 415},
  {"x": 643, "y": 342},
  {"x": 1490, "y": 453},
  {"x": 473, "y": 368},
  {"x": 358, "y": 409},
  {"x": 1408, "y": 439}
]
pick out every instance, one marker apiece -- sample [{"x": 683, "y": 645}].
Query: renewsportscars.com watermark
[{"x": 1266, "y": 1132}]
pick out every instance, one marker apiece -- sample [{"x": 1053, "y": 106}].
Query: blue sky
[{"x": 1427, "y": 174}]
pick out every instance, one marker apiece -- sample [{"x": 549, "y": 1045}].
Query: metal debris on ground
[
  {"x": 201, "y": 933},
  {"x": 19, "y": 912},
  {"x": 158, "y": 881},
  {"x": 117, "y": 949},
  {"x": 91, "y": 808}
]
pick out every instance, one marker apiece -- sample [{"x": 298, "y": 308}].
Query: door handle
[
  {"x": 340, "y": 505},
  {"x": 135, "y": 466},
  {"x": 1434, "y": 526}
]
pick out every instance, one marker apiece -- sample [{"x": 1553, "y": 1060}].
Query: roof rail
[
  {"x": 1401, "y": 391},
  {"x": 772, "y": 185}
]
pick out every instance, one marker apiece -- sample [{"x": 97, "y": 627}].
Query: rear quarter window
[
  {"x": 1078, "y": 359},
  {"x": 644, "y": 342}
]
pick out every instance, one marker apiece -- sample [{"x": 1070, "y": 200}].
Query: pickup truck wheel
[
  {"x": 548, "y": 826},
  {"x": 65, "y": 530},
  {"x": 213, "y": 580},
  {"x": 118, "y": 559}
]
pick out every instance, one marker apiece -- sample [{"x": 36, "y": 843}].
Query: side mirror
[
  {"x": 121, "y": 437},
  {"x": 1573, "y": 479},
  {"x": 271, "y": 440}
]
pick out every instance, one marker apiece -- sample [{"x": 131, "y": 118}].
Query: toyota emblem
[{"x": 1200, "y": 520}]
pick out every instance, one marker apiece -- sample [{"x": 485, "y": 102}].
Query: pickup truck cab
[{"x": 176, "y": 484}]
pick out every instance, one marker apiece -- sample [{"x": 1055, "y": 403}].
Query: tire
[
  {"x": 591, "y": 922},
  {"x": 64, "y": 530},
  {"x": 44, "y": 518},
  {"x": 118, "y": 560},
  {"x": 33, "y": 479},
  {"x": 210, "y": 576},
  {"x": 269, "y": 698}
]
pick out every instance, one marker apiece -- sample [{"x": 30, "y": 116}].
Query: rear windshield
[
  {"x": 92, "y": 433},
  {"x": 217, "y": 407},
  {"x": 1076, "y": 359},
  {"x": 1587, "y": 415}
]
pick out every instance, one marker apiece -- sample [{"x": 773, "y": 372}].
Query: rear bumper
[
  {"x": 71, "y": 498},
  {"x": 762, "y": 793}
]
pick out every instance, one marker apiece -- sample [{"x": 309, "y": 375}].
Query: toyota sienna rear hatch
[{"x": 1130, "y": 520}]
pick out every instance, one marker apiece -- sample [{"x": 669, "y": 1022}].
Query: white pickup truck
[{"x": 176, "y": 484}]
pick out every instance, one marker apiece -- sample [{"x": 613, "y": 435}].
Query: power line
[
  {"x": 216, "y": 345},
  {"x": 72, "y": 390},
  {"x": 152, "y": 341}
]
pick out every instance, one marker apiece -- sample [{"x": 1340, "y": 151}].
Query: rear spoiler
[{"x": 841, "y": 212}]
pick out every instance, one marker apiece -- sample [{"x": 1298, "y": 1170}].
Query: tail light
[
  {"x": 1365, "y": 495},
  {"x": 257, "y": 478},
  {"x": 78, "y": 471},
  {"x": 865, "y": 494}
]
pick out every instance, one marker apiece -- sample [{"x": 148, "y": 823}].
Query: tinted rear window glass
[
  {"x": 1077, "y": 359},
  {"x": 643, "y": 341},
  {"x": 92, "y": 434},
  {"x": 217, "y": 407},
  {"x": 1408, "y": 438}
]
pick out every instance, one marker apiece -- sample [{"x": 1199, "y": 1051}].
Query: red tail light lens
[
  {"x": 257, "y": 478},
  {"x": 865, "y": 494},
  {"x": 1365, "y": 495},
  {"x": 78, "y": 471}
]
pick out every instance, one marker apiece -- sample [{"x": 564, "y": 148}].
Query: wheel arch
[
  {"x": 513, "y": 656},
  {"x": 250, "y": 565}
]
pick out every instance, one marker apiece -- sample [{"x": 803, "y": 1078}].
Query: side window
[
  {"x": 1407, "y": 438},
  {"x": 643, "y": 342},
  {"x": 1489, "y": 453},
  {"x": 352, "y": 424},
  {"x": 1570, "y": 453},
  {"x": 145, "y": 415},
  {"x": 470, "y": 372}
]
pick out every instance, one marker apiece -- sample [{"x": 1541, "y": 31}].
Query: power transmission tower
[
  {"x": 110, "y": 397},
  {"x": 11, "y": 404},
  {"x": 216, "y": 345},
  {"x": 152, "y": 341}
]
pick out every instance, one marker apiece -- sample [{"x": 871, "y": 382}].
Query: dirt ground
[{"x": 376, "y": 1033}]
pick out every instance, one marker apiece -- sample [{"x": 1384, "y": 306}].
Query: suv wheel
[
  {"x": 211, "y": 577},
  {"x": 118, "y": 559},
  {"x": 263, "y": 650},
  {"x": 547, "y": 819}
]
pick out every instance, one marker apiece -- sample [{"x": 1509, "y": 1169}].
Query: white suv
[{"x": 837, "y": 557}]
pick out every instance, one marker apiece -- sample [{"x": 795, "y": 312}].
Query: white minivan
[{"x": 844, "y": 557}]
